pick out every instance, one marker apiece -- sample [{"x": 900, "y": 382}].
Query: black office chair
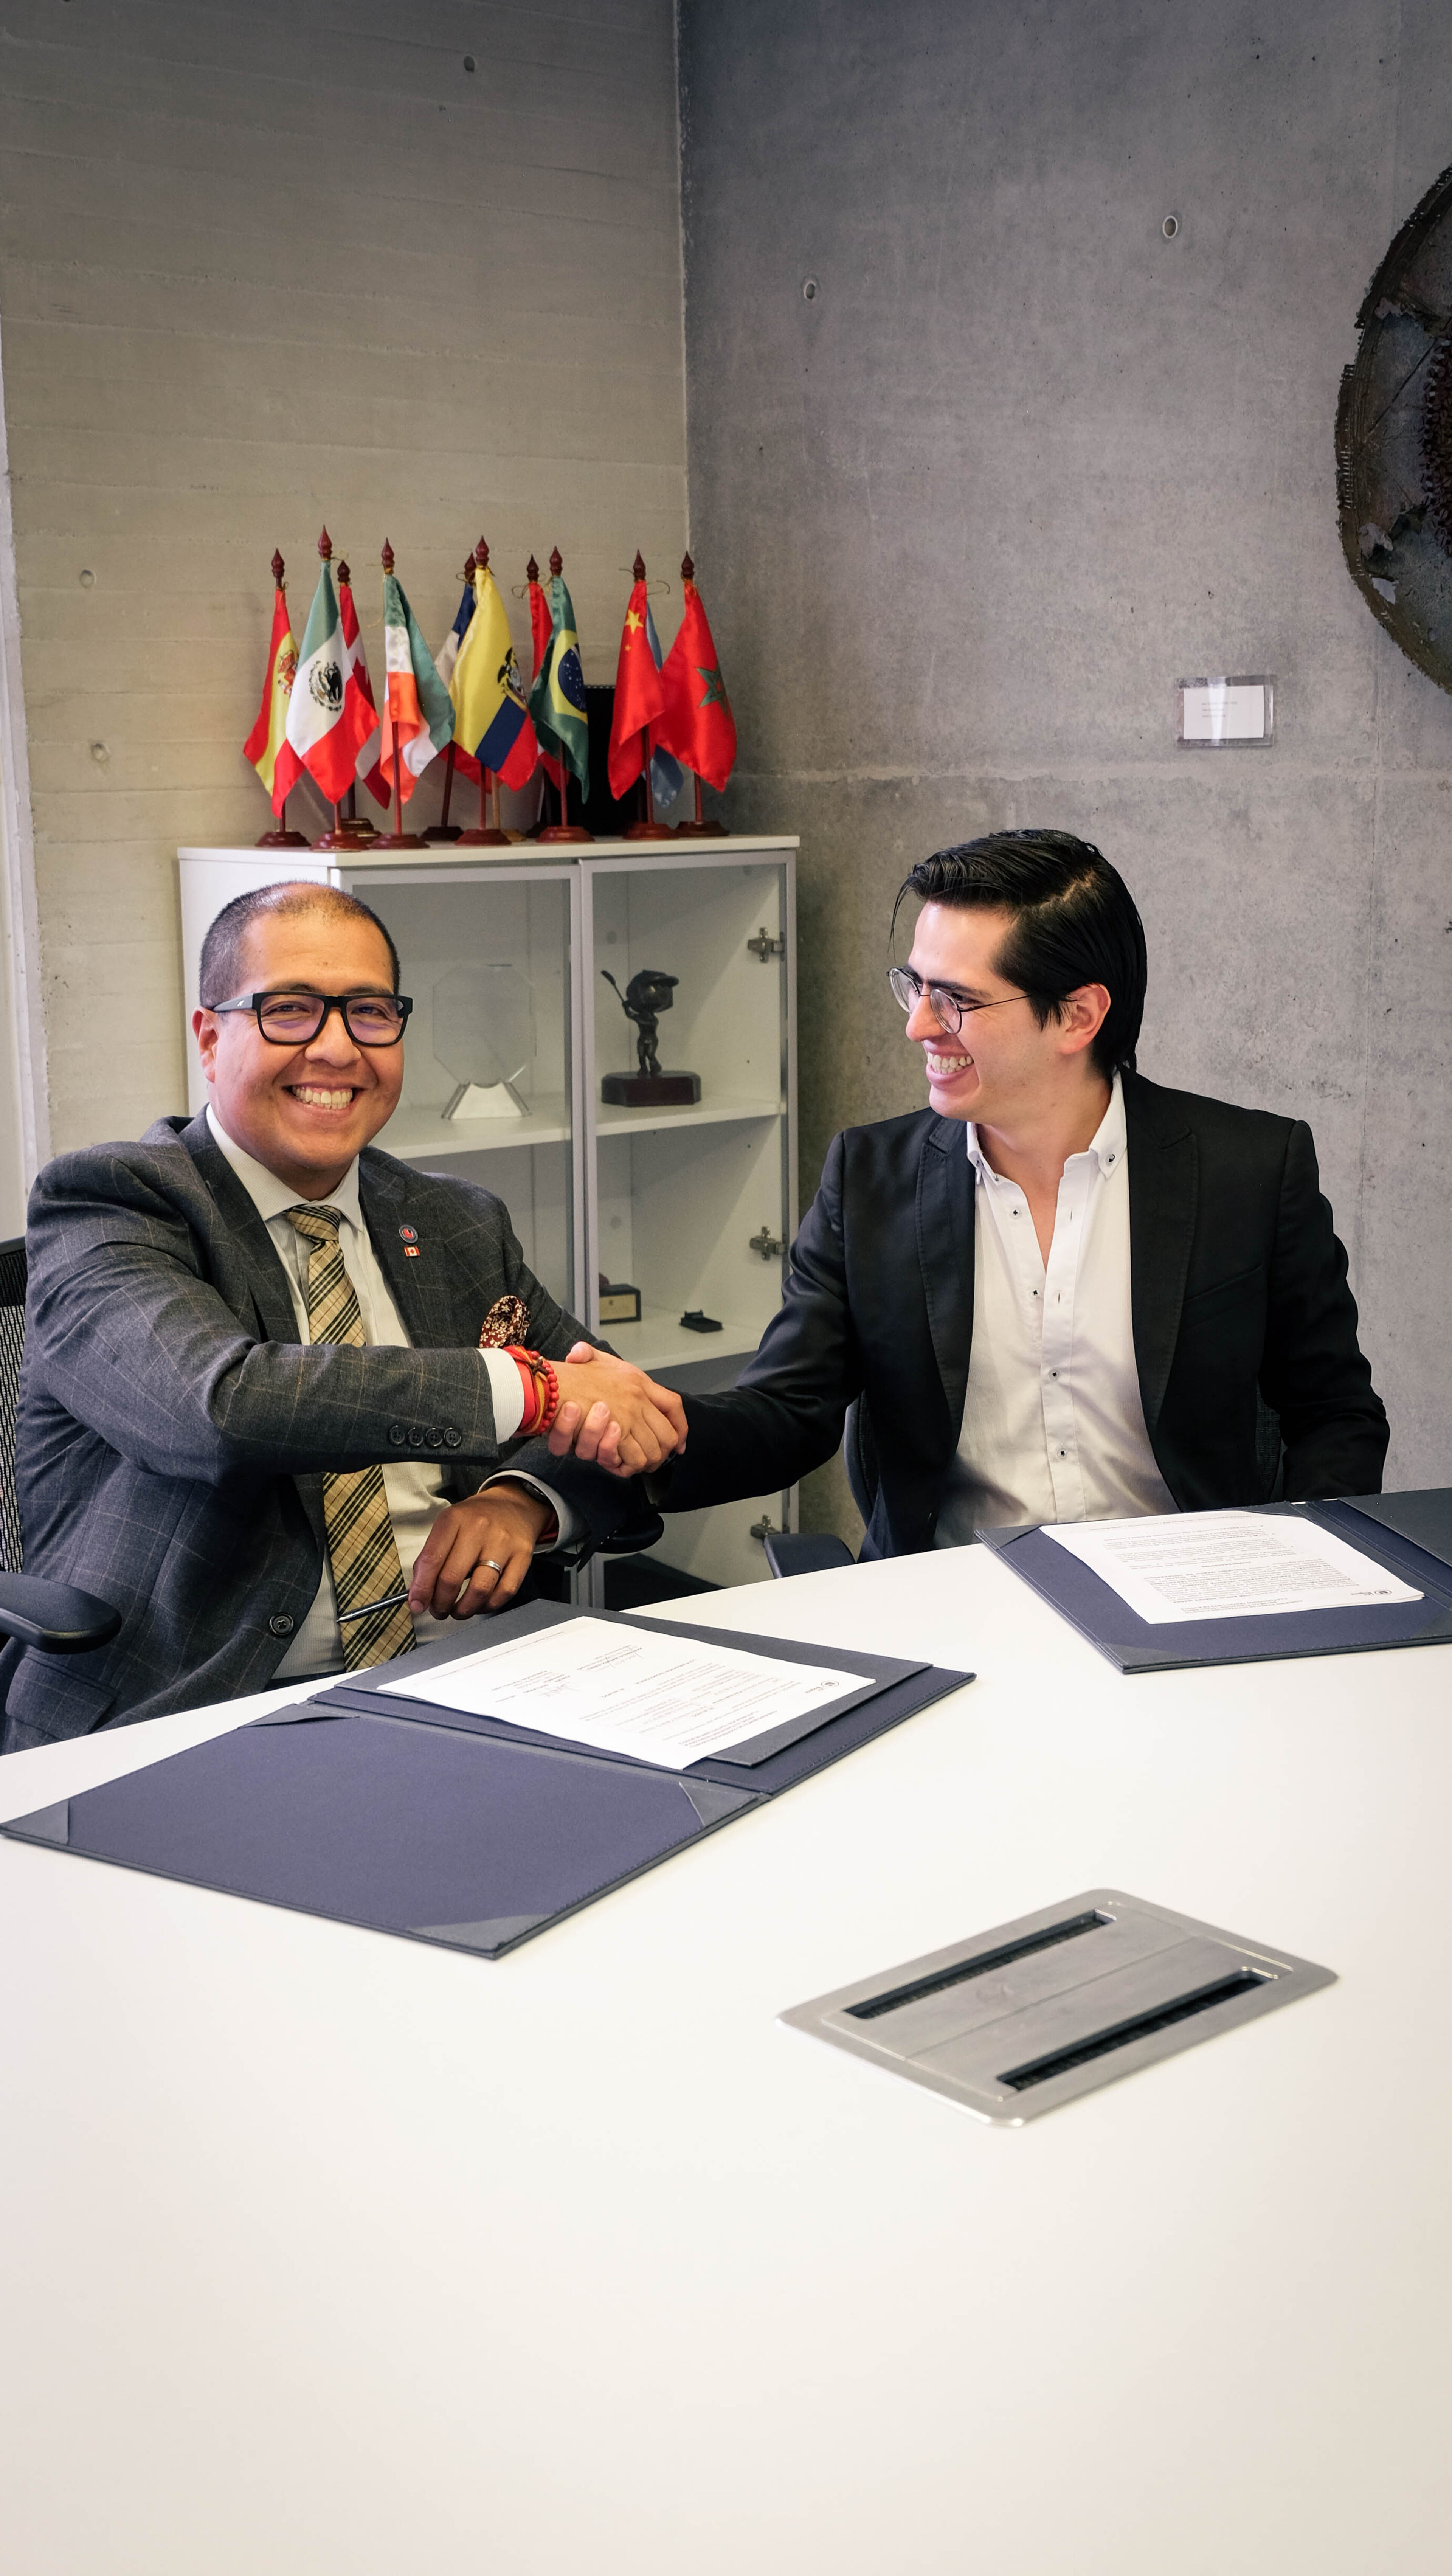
[
  {"x": 53, "y": 1616},
  {"x": 818, "y": 1551}
]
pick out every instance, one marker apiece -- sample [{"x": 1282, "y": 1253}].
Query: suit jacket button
[
  {"x": 453, "y": 1437},
  {"x": 397, "y": 1434},
  {"x": 436, "y": 1438},
  {"x": 280, "y": 1624}
]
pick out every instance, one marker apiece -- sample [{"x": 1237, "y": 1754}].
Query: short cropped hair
[
  {"x": 1074, "y": 922},
  {"x": 222, "y": 948}
]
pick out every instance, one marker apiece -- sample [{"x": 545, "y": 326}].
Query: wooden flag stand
[
  {"x": 282, "y": 838},
  {"x": 342, "y": 835},
  {"x": 564, "y": 829},
  {"x": 699, "y": 829},
  {"x": 398, "y": 838},
  {"x": 648, "y": 829},
  {"x": 487, "y": 835}
]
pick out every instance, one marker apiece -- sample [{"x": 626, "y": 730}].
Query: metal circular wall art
[{"x": 1394, "y": 440}]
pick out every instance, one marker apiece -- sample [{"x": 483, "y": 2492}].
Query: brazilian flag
[{"x": 557, "y": 700}]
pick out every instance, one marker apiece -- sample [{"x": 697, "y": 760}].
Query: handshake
[{"x": 614, "y": 1414}]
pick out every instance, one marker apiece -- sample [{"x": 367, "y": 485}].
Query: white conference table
[{"x": 328, "y": 2254}]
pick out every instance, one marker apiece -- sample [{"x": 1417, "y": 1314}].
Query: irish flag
[
  {"x": 267, "y": 746},
  {"x": 418, "y": 713},
  {"x": 326, "y": 726}
]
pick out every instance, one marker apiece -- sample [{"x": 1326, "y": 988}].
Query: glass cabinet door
[
  {"x": 690, "y": 1178},
  {"x": 489, "y": 1089}
]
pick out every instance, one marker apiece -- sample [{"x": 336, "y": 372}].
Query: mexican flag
[
  {"x": 489, "y": 710},
  {"x": 418, "y": 714},
  {"x": 697, "y": 723},
  {"x": 267, "y": 746},
  {"x": 326, "y": 727},
  {"x": 557, "y": 701}
]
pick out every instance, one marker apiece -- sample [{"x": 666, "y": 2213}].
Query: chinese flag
[
  {"x": 541, "y": 627},
  {"x": 696, "y": 722},
  {"x": 639, "y": 698}
]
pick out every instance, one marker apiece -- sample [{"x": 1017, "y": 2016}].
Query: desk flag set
[
  {"x": 267, "y": 745},
  {"x": 318, "y": 713}
]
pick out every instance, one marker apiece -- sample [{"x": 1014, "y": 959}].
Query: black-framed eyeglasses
[
  {"x": 295, "y": 1019},
  {"x": 949, "y": 1009}
]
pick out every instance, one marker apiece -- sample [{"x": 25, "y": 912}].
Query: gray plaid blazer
[{"x": 173, "y": 1432}]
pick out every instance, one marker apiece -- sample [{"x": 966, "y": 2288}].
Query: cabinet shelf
[
  {"x": 659, "y": 1340},
  {"x": 412, "y": 1133},
  {"x": 711, "y": 1112}
]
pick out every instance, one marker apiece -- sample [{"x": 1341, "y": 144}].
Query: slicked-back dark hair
[
  {"x": 1074, "y": 922},
  {"x": 222, "y": 948}
]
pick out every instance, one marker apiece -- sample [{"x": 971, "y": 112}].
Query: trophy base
[{"x": 651, "y": 1090}]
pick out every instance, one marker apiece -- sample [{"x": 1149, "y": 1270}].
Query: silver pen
[{"x": 395, "y": 1601}]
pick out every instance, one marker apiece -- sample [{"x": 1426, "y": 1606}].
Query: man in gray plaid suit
[{"x": 254, "y": 1414}]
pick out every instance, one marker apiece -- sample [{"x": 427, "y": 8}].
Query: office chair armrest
[
  {"x": 806, "y": 1552},
  {"x": 54, "y": 1616}
]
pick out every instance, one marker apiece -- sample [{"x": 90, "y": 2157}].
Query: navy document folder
[
  {"x": 468, "y": 1831},
  {"x": 1409, "y": 1535}
]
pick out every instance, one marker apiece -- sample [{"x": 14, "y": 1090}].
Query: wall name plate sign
[{"x": 1234, "y": 714}]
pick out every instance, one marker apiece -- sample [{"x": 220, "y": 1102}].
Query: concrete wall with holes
[
  {"x": 417, "y": 275},
  {"x": 964, "y": 515}
]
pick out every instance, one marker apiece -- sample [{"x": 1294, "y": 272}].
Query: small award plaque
[
  {"x": 644, "y": 998},
  {"x": 619, "y": 1304}
]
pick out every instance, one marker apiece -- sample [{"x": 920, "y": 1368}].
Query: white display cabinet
[{"x": 513, "y": 1031}]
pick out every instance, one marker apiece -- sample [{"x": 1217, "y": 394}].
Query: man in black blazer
[
  {"x": 254, "y": 1405},
  {"x": 1061, "y": 1292}
]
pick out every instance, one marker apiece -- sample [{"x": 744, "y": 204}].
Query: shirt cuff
[
  {"x": 569, "y": 1522},
  {"x": 507, "y": 1387}
]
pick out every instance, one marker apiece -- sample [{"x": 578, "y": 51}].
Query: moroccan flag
[
  {"x": 358, "y": 688},
  {"x": 540, "y": 630},
  {"x": 697, "y": 723},
  {"x": 488, "y": 694},
  {"x": 267, "y": 745},
  {"x": 444, "y": 661},
  {"x": 557, "y": 701},
  {"x": 418, "y": 714},
  {"x": 639, "y": 698},
  {"x": 324, "y": 729}
]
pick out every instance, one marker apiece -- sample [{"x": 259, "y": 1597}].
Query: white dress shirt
[
  {"x": 414, "y": 1490},
  {"x": 1053, "y": 1426}
]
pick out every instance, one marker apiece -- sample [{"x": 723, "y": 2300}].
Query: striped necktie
[{"x": 361, "y": 1543}]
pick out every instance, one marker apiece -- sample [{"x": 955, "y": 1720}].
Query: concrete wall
[
  {"x": 964, "y": 519},
  {"x": 262, "y": 265}
]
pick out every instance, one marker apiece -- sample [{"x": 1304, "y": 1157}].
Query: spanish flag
[
  {"x": 267, "y": 745},
  {"x": 485, "y": 686},
  {"x": 418, "y": 715}
]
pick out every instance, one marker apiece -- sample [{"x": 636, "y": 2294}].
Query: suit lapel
[
  {"x": 415, "y": 1263},
  {"x": 1164, "y": 1176},
  {"x": 945, "y": 1220},
  {"x": 266, "y": 1278}
]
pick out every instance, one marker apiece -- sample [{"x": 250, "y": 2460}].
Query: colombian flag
[
  {"x": 267, "y": 745},
  {"x": 418, "y": 715}
]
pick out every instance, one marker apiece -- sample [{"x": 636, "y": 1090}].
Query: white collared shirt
[
  {"x": 1053, "y": 1426},
  {"x": 414, "y": 1490}
]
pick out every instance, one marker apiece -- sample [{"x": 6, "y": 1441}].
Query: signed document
[
  {"x": 1227, "y": 1565},
  {"x": 661, "y": 1699}
]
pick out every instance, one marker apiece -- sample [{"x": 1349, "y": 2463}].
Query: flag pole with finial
[
  {"x": 340, "y": 834},
  {"x": 282, "y": 838},
  {"x": 564, "y": 830},
  {"x": 444, "y": 830},
  {"x": 699, "y": 829},
  {"x": 487, "y": 836},
  {"x": 398, "y": 838},
  {"x": 360, "y": 827},
  {"x": 646, "y": 828}
]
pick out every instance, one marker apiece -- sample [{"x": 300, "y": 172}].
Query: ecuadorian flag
[
  {"x": 557, "y": 701},
  {"x": 485, "y": 686}
]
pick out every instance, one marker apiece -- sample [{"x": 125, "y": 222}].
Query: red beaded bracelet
[{"x": 541, "y": 1389}]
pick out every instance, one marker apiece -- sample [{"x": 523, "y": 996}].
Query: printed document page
[
  {"x": 1227, "y": 1565},
  {"x": 667, "y": 1700}
]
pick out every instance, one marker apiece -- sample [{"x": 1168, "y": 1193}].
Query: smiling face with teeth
[
  {"x": 303, "y": 1111},
  {"x": 1000, "y": 1069}
]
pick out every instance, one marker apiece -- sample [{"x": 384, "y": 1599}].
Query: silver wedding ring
[{"x": 494, "y": 1561}]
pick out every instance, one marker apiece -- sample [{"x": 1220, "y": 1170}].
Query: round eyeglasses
[
  {"x": 295, "y": 1019},
  {"x": 949, "y": 1009}
]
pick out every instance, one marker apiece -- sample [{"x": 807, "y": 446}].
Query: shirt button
[{"x": 280, "y": 1624}]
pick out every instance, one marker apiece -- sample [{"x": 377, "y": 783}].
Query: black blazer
[{"x": 1238, "y": 1293}]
